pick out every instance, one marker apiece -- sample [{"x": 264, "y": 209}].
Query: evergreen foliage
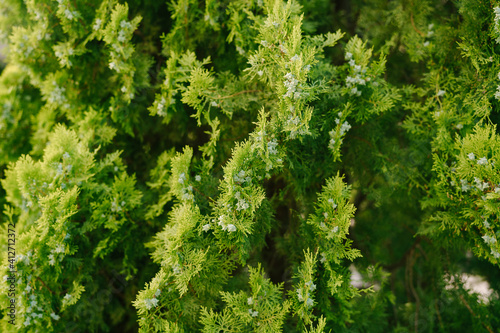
[{"x": 235, "y": 166}]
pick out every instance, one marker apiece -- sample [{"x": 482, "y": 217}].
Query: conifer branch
[{"x": 423, "y": 162}]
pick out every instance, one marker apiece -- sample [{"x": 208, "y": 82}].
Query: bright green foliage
[
  {"x": 250, "y": 165},
  {"x": 70, "y": 213},
  {"x": 468, "y": 191},
  {"x": 259, "y": 310},
  {"x": 331, "y": 225}
]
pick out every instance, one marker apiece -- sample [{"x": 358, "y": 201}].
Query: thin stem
[
  {"x": 412, "y": 287},
  {"x": 414, "y": 27},
  {"x": 239, "y": 93},
  {"x": 43, "y": 283}
]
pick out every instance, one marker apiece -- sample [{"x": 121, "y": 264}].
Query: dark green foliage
[{"x": 251, "y": 165}]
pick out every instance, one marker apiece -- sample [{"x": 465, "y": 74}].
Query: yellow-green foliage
[{"x": 250, "y": 165}]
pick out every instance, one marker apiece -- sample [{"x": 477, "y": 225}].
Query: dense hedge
[{"x": 250, "y": 165}]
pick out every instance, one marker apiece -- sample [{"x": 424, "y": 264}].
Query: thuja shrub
[{"x": 241, "y": 166}]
